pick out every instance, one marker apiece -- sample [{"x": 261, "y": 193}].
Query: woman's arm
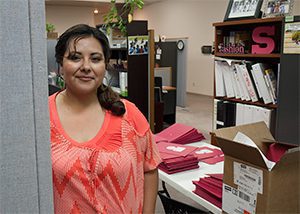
[{"x": 150, "y": 191}]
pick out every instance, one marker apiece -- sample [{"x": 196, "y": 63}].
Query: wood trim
[
  {"x": 273, "y": 55},
  {"x": 151, "y": 78},
  {"x": 248, "y": 21}
]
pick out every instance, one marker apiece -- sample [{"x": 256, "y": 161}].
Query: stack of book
[
  {"x": 248, "y": 81},
  {"x": 209, "y": 155},
  {"x": 180, "y": 134},
  {"x": 210, "y": 188},
  {"x": 176, "y": 158},
  {"x": 227, "y": 114}
]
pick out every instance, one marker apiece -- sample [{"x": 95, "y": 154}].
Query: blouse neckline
[{"x": 92, "y": 141}]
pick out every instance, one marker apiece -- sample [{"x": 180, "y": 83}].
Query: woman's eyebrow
[{"x": 97, "y": 53}]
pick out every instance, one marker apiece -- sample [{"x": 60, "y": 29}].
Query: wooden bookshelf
[
  {"x": 231, "y": 34},
  {"x": 271, "y": 106},
  {"x": 273, "y": 55},
  {"x": 248, "y": 22}
]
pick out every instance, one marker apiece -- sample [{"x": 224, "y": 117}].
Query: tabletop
[{"x": 182, "y": 181}]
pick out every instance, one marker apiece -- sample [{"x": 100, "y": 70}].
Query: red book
[
  {"x": 207, "y": 196},
  {"x": 277, "y": 150},
  {"x": 213, "y": 181},
  {"x": 172, "y": 171},
  {"x": 213, "y": 160},
  {"x": 206, "y": 152},
  {"x": 175, "y": 149},
  {"x": 180, "y": 134},
  {"x": 212, "y": 189},
  {"x": 218, "y": 176}
]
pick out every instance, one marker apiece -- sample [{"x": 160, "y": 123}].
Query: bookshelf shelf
[
  {"x": 248, "y": 21},
  {"x": 270, "y": 106},
  {"x": 248, "y": 76},
  {"x": 274, "y": 55}
]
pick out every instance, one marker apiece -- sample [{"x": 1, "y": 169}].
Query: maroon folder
[
  {"x": 175, "y": 149},
  {"x": 172, "y": 171},
  {"x": 218, "y": 176},
  {"x": 207, "y": 196},
  {"x": 180, "y": 134},
  {"x": 207, "y": 152},
  {"x": 212, "y": 189},
  {"x": 213, "y": 160}
]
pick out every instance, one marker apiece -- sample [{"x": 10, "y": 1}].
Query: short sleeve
[
  {"x": 151, "y": 156},
  {"x": 148, "y": 146}
]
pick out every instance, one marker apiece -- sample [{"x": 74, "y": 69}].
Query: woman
[{"x": 103, "y": 156}]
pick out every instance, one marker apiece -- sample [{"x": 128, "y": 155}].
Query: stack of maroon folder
[
  {"x": 179, "y": 133},
  {"x": 209, "y": 155},
  {"x": 176, "y": 158},
  {"x": 210, "y": 188}
]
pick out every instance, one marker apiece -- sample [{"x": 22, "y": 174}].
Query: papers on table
[
  {"x": 210, "y": 188},
  {"x": 180, "y": 134},
  {"x": 178, "y": 157}
]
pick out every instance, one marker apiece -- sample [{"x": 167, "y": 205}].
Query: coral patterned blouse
[{"x": 105, "y": 174}]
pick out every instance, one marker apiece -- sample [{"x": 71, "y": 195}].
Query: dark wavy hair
[{"x": 107, "y": 97}]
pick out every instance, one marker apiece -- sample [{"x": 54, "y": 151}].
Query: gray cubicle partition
[
  {"x": 287, "y": 124},
  {"x": 181, "y": 72},
  {"x": 26, "y": 178}
]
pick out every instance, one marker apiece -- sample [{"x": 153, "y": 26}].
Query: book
[
  {"x": 236, "y": 89},
  {"x": 272, "y": 81},
  {"x": 180, "y": 134},
  {"x": 228, "y": 81},
  {"x": 219, "y": 82},
  {"x": 238, "y": 81},
  {"x": 248, "y": 82},
  {"x": 258, "y": 72},
  {"x": 268, "y": 84},
  {"x": 206, "y": 152},
  {"x": 246, "y": 114},
  {"x": 225, "y": 114},
  {"x": 210, "y": 188},
  {"x": 239, "y": 69}
]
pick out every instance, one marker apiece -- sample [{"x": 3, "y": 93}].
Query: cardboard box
[{"x": 248, "y": 185}]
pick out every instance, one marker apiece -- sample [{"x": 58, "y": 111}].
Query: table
[{"x": 182, "y": 181}]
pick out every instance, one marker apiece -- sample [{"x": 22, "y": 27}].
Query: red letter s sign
[{"x": 256, "y": 36}]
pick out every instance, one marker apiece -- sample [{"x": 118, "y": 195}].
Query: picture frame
[
  {"x": 243, "y": 9},
  {"x": 291, "y": 41},
  {"x": 138, "y": 45},
  {"x": 273, "y": 8}
]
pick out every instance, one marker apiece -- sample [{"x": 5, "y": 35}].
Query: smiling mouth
[{"x": 85, "y": 78}]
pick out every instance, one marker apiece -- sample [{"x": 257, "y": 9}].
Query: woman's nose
[{"x": 86, "y": 67}]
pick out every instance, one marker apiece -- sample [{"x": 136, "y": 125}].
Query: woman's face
[{"x": 83, "y": 67}]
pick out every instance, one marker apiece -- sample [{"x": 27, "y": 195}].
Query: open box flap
[
  {"x": 258, "y": 132},
  {"x": 243, "y": 152}
]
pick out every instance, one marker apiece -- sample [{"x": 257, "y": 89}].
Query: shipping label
[
  {"x": 235, "y": 201},
  {"x": 248, "y": 178}
]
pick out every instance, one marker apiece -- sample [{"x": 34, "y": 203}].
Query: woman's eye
[
  {"x": 96, "y": 59},
  {"x": 74, "y": 57}
]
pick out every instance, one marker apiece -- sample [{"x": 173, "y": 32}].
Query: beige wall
[
  {"x": 192, "y": 19},
  {"x": 173, "y": 18},
  {"x": 64, "y": 17}
]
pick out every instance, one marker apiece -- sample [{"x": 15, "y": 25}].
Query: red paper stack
[
  {"x": 209, "y": 155},
  {"x": 177, "y": 158},
  {"x": 180, "y": 134},
  {"x": 210, "y": 188}
]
